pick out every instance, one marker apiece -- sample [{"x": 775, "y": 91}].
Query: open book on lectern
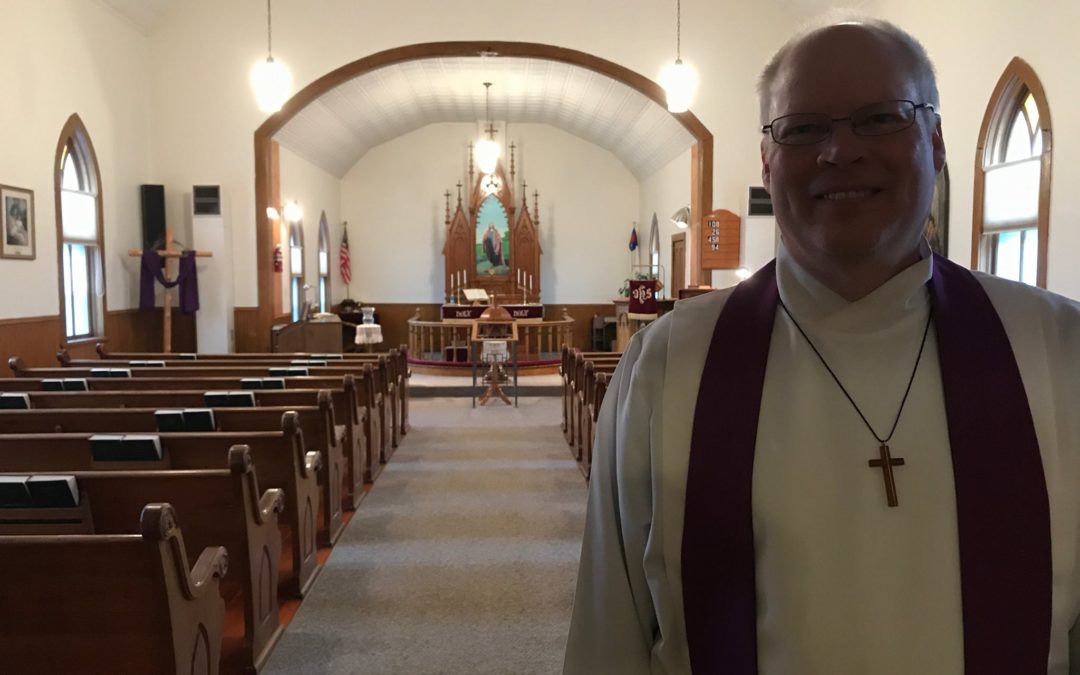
[{"x": 476, "y": 295}]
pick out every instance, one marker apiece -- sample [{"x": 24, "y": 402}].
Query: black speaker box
[{"x": 153, "y": 215}]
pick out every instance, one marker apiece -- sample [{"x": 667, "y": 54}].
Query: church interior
[{"x": 352, "y": 219}]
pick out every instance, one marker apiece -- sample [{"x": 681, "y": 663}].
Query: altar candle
[{"x": 530, "y": 282}]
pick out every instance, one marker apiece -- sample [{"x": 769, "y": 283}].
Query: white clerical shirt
[{"x": 845, "y": 584}]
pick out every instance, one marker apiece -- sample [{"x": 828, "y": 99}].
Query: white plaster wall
[
  {"x": 393, "y": 200},
  {"x": 204, "y": 115},
  {"x": 664, "y": 193},
  {"x": 316, "y": 191},
  {"x": 57, "y": 58},
  {"x": 175, "y": 107},
  {"x": 971, "y": 43}
]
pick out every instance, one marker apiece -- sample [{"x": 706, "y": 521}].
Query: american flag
[{"x": 344, "y": 261}]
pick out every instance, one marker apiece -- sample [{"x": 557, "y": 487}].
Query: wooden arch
[
  {"x": 267, "y": 178},
  {"x": 1018, "y": 75}
]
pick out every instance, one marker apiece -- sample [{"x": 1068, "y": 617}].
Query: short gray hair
[{"x": 922, "y": 69}]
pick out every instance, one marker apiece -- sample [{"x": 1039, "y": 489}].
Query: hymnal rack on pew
[
  {"x": 38, "y": 491},
  {"x": 185, "y": 419}
]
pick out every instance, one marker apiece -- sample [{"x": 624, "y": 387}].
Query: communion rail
[{"x": 447, "y": 342}]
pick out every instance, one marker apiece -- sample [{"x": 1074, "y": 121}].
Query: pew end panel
[{"x": 104, "y": 604}]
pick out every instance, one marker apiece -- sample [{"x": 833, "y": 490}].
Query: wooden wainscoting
[
  {"x": 36, "y": 339},
  {"x": 582, "y": 316},
  {"x": 394, "y": 318},
  {"x": 246, "y": 331},
  {"x": 132, "y": 330}
]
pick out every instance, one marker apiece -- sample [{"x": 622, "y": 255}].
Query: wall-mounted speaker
[
  {"x": 206, "y": 200},
  {"x": 153, "y": 215}
]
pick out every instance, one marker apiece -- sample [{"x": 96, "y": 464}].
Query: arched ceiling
[{"x": 335, "y": 130}]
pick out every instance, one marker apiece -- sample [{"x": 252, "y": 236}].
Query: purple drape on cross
[
  {"x": 1003, "y": 510},
  {"x": 153, "y": 267}
]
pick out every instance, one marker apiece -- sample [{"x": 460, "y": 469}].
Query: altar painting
[{"x": 492, "y": 239}]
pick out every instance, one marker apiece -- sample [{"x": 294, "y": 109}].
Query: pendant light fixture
[
  {"x": 679, "y": 79},
  {"x": 487, "y": 150},
  {"x": 271, "y": 80}
]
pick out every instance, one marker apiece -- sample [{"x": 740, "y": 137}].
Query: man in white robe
[{"x": 843, "y": 582}]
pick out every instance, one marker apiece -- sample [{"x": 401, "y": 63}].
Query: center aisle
[{"x": 463, "y": 557}]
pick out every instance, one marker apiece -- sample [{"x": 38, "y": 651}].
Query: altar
[
  {"x": 492, "y": 263},
  {"x": 529, "y": 312}
]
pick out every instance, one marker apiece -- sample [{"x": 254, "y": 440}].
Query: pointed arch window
[
  {"x": 79, "y": 233},
  {"x": 1012, "y": 180},
  {"x": 324, "y": 264},
  {"x": 296, "y": 268}
]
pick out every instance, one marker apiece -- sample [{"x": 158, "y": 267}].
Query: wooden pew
[
  {"x": 398, "y": 360},
  {"x": 376, "y": 378},
  {"x": 106, "y": 604},
  {"x": 219, "y": 508},
  {"x": 596, "y": 388},
  {"x": 316, "y": 423},
  {"x": 280, "y": 458},
  {"x": 583, "y": 402},
  {"x": 579, "y": 371},
  {"x": 568, "y": 368},
  {"x": 354, "y": 399}
]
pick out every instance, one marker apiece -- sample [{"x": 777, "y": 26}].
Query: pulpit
[{"x": 312, "y": 337}]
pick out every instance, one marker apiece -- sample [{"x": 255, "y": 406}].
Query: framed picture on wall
[{"x": 16, "y": 223}]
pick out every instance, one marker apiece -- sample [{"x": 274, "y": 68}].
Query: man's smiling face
[{"x": 850, "y": 200}]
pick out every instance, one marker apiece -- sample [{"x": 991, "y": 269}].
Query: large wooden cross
[{"x": 171, "y": 254}]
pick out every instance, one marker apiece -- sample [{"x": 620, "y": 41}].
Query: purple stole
[{"x": 1002, "y": 506}]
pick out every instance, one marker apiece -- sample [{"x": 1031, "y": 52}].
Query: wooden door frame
[
  {"x": 678, "y": 236},
  {"x": 267, "y": 179}
]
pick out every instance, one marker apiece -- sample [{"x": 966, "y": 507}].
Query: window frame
[
  {"x": 296, "y": 276},
  {"x": 1018, "y": 80},
  {"x": 75, "y": 140},
  {"x": 324, "y": 279}
]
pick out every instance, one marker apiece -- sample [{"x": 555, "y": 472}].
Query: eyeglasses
[{"x": 876, "y": 119}]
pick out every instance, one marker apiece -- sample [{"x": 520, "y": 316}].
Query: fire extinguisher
[{"x": 279, "y": 263}]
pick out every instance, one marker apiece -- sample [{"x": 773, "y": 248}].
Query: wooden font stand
[{"x": 170, "y": 254}]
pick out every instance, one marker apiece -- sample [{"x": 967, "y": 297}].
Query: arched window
[
  {"x": 1010, "y": 235},
  {"x": 324, "y": 264},
  {"x": 80, "y": 242},
  {"x": 296, "y": 268}
]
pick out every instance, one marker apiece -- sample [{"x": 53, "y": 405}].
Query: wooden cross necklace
[{"x": 886, "y": 461}]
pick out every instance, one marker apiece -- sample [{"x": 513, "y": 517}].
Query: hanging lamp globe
[
  {"x": 680, "y": 82},
  {"x": 271, "y": 82},
  {"x": 487, "y": 155}
]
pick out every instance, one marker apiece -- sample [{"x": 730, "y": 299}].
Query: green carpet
[{"x": 461, "y": 560}]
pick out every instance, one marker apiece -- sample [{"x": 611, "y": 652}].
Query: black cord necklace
[{"x": 886, "y": 462}]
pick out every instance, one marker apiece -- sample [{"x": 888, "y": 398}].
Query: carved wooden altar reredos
[{"x": 492, "y": 243}]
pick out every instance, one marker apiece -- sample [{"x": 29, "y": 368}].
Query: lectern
[{"x": 493, "y": 345}]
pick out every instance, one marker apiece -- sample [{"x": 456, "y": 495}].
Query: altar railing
[{"x": 448, "y": 342}]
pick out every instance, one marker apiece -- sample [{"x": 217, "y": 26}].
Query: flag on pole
[
  {"x": 344, "y": 261},
  {"x": 633, "y": 238}
]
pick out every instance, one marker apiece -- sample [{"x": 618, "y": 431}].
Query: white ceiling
[{"x": 338, "y": 128}]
